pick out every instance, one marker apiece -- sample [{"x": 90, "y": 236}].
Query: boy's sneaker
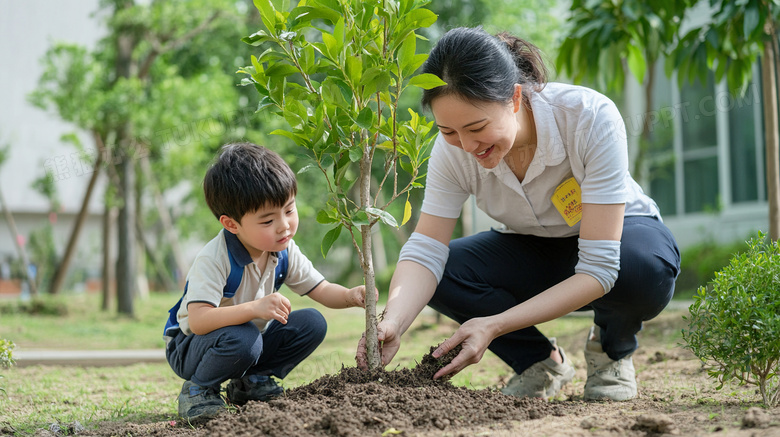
[
  {"x": 199, "y": 404},
  {"x": 542, "y": 380},
  {"x": 607, "y": 379},
  {"x": 252, "y": 388}
]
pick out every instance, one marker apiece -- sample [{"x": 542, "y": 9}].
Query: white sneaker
[
  {"x": 607, "y": 379},
  {"x": 542, "y": 380}
]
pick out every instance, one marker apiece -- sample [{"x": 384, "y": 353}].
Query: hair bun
[{"x": 527, "y": 56}]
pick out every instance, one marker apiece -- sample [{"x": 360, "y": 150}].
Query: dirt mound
[{"x": 359, "y": 403}]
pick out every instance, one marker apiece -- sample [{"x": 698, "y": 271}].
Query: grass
[{"x": 38, "y": 396}]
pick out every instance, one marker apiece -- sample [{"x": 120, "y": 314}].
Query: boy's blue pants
[
  {"x": 490, "y": 272},
  {"x": 236, "y": 351}
]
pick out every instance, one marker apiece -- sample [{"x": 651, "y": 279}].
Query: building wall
[{"x": 27, "y": 29}]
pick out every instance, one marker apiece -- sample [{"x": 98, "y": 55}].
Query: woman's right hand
[{"x": 390, "y": 342}]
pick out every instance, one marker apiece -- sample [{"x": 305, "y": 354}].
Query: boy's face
[{"x": 269, "y": 229}]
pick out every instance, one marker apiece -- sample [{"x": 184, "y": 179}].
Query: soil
[{"x": 676, "y": 397}]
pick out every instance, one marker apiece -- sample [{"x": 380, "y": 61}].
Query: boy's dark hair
[{"x": 246, "y": 177}]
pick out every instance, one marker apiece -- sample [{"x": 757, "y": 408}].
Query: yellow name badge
[{"x": 568, "y": 200}]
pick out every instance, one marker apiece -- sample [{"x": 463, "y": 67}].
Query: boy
[{"x": 230, "y": 324}]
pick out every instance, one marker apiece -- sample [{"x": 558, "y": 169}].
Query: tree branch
[{"x": 160, "y": 49}]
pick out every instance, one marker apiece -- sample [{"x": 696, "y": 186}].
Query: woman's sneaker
[
  {"x": 199, "y": 404},
  {"x": 252, "y": 388},
  {"x": 542, "y": 380},
  {"x": 607, "y": 379}
]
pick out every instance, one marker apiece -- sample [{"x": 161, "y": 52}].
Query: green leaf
[
  {"x": 281, "y": 70},
  {"x": 257, "y": 38},
  {"x": 360, "y": 218},
  {"x": 267, "y": 13},
  {"x": 329, "y": 239},
  {"x": 407, "y": 51},
  {"x": 636, "y": 62},
  {"x": 328, "y": 216},
  {"x": 751, "y": 21},
  {"x": 355, "y": 153},
  {"x": 366, "y": 118},
  {"x": 427, "y": 81},
  {"x": 383, "y": 215}
]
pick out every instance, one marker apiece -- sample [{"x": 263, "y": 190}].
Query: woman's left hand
[{"x": 474, "y": 336}]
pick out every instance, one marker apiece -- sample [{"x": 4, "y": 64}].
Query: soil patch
[{"x": 356, "y": 403}]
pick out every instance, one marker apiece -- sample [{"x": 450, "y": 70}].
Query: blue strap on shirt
[{"x": 231, "y": 285}]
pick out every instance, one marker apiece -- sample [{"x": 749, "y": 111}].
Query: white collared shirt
[
  {"x": 580, "y": 133},
  {"x": 209, "y": 272}
]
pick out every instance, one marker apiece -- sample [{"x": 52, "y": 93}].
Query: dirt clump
[{"x": 356, "y": 403}]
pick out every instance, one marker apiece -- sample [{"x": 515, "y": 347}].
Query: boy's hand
[
  {"x": 273, "y": 307},
  {"x": 356, "y": 297}
]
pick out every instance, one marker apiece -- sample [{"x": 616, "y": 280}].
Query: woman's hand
[
  {"x": 272, "y": 307},
  {"x": 474, "y": 336}
]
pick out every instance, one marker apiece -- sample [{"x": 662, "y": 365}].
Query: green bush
[
  {"x": 6, "y": 356},
  {"x": 700, "y": 262},
  {"x": 734, "y": 325}
]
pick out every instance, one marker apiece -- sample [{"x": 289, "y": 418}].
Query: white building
[{"x": 27, "y": 30}]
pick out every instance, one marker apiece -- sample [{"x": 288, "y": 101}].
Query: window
[{"x": 711, "y": 155}]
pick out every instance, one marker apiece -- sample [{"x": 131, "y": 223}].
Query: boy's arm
[
  {"x": 338, "y": 296},
  {"x": 204, "y": 317}
]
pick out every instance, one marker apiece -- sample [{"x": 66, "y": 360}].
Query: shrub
[
  {"x": 734, "y": 325},
  {"x": 700, "y": 262},
  {"x": 6, "y": 356}
]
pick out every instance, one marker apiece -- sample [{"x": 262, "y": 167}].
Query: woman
[{"x": 549, "y": 161}]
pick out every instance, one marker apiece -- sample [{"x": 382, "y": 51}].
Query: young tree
[
  {"x": 336, "y": 70},
  {"x": 730, "y": 44}
]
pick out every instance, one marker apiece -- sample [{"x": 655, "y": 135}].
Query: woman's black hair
[{"x": 478, "y": 66}]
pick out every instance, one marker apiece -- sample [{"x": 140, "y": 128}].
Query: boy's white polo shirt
[
  {"x": 580, "y": 133},
  {"x": 209, "y": 272}
]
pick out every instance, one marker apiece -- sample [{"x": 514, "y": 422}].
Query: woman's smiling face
[{"x": 487, "y": 131}]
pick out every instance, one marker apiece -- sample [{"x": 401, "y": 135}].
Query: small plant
[
  {"x": 6, "y": 356},
  {"x": 734, "y": 326}
]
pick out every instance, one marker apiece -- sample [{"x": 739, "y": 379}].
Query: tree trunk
[
  {"x": 157, "y": 263},
  {"x": 70, "y": 249},
  {"x": 644, "y": 140},
  {"x": 109, "y": 215},
  {"x": 167, "y": 222},
  {"x": 125, "y": 268},
  {"x": 9, "y": 218},
  {"x": 367, "y": 263},
  {"x": 771, "y": 132}
]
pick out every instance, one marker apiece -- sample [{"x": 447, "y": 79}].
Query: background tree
[
  {"x": 607, "y": 39},
  {"x": 729, "y": 44},
  {"x": 336, "y": 72},
  {"x": 137, "y": 102}
]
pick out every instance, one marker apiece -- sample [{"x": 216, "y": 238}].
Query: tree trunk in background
[
  {"x": 125, "y": 267},
  {"x": 9, "y": 218},
  {"x": 126, "y": 258},
  {"x": 771, "y": 132},
  {"x": 109, "y": 215},
  {"x": 157, "y": 263},
  {"x": 70, "y": 249},
  {"x": 171, "y": 235}
]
